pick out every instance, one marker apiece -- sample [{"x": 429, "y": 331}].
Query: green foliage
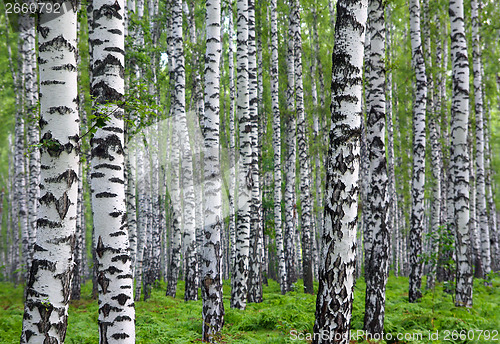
[{"x": 164, "y": 319}]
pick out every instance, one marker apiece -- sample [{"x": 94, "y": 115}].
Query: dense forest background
[{"x": 165, "y": 213}]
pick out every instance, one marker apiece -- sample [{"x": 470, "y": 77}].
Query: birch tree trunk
[
  {"x": 254, "y": 268},
  {"x": 211, "y": 254},
  {"x": 482, "y": 213},
  {"x": 24, "y": 108},
  {"x": 48, "y": 288},
  {"x": 290, "y": 158},
  {"x": 303, "y": 145},
  {"x": 178, "y": 107},
  {"x": 377, "y": 267},
  {"x": 189, "y": 235},
  {"x": 232, "y": 134},
  {"x": 114, "y": 272},
  {"x": 33, "y": 130},
  {"x": 460, "y": 154},
  {"x": 277, "y": 146},
  {"x": 239, "y": 281},
  {"x": 336, "y": 274},
  {"x": 418, "y": 178},
  {"x": 436, "y": 201}
]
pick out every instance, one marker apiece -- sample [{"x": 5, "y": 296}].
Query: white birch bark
[
  {"x": 33, "y": 130},
  {"x": 254, "y": 268},
  {"x": 48, "y": 288},
  {"x": 24, "y": 108},
  {"x": 303, "y": 151},
  {"x": 278, "y": 227},
  {"x": 460, "y": 154},
  {"x": 290, "y": 206},
  {"x": 336, "y": 276},
  {"x": 377, "y": 267},
  {"x": 482, "y": 212},
  {"x": 232, "y": 134},
  {"x": 114, "y": 272},
  {"x": 211, "y": 253},
  {"x": 418, "y": 177},
  {"x": 239, "y": 279},
  {"x": 179, "y": 112}
]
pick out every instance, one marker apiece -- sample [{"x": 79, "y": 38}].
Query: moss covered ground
[{"x": 281, "y": 318}]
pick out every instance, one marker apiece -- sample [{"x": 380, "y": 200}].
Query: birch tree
[
  {"x": 114, "y": 271},
  {"x": 178, "y": 111},
  {"x": 211, "y": 254},
  {"x": 460, "y": 154},
  {"x": 377, "y": 267},
  {"x": 239, "y": 278},
  {"x": 277, "y": 146},
  {"x": 303, "y": 145},
  {"x": 418, "y": 178},
  {"x": 290, "y": 206},
  {"x": 254, "y": 269},
  {"x": 336, "y": 273},
  {"x": 48, "y": 287},
  {"x": 482, "y": 213}
]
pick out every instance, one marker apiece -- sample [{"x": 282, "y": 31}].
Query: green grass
[{"x": 164, "y": 319}]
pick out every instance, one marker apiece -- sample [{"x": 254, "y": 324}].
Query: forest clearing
[{"x": 249, "y": 171}]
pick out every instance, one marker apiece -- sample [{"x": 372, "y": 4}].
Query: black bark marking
[
  {"x": 47, "y": 223},
  {"x": 115, "y": 214},
  {"x": 62, "y": 205},
  {"x": 69, "y": 67},
  {"x": 45, "y": 309},
  {"x": 107, "y": 11},
  {"x": 44, "y": 30},
  {"x": 124, "y": 276},
  {"x": 68, "y": 238},
  {"x": 122, "y": 257},
  {"x": 42, "y": 123},
  {"x": 105, "y": 195},
  {"x": 103, "y": 93},
  {"x": 120, "y": 336},
  {"x": 102, "y": 146},
  {"x": 113, "y": 270},
  {"x": 123, "y": 318},
  {"x": 111, "y": 167},
  {"x": 115, "y": 50},
  {"x": 116, "y": 234},
  {"x": 103, "y": 282},
  {"x": 65, "y": 278},
  {"x": 117, "y": 180},
  {"x": 47, "y": 199},
  {"x": 61, "y": 110},
  {"x": 115, "y": 31},
  {"x": 56, "y": 44},
  {"x": 54, "y": 147},
  {"x": 103, "y": 330},
  {"x": 61, "y": 327},
  {"x": 97, "y": 175},
  {"x": 53, "y": 82},
  {"x": 28, "y": 334},
  {"x": 107, "y": 308},
  {"x": 121, "y": 298},
  {"x": 100, "y": 247}
]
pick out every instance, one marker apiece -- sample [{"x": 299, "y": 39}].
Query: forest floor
[{"x": 281, "y": 318}]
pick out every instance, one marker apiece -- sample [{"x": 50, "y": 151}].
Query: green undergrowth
[{"x": 164, "y": 319}]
